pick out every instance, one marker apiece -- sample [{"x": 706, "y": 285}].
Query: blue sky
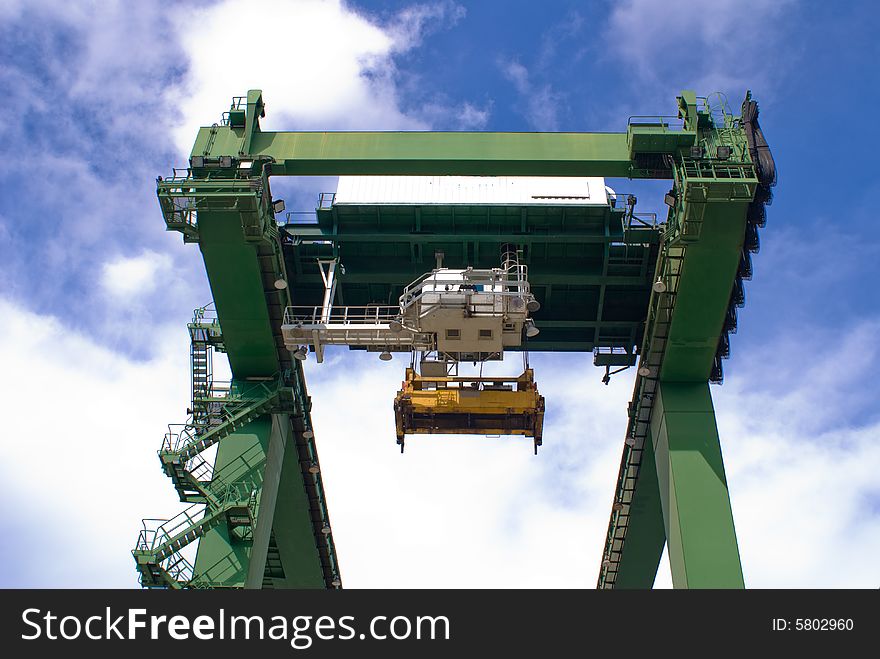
[{"x": 101, "y": 97}]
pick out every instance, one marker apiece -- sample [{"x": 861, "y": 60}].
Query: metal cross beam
[{"x": 637, "y": 153}]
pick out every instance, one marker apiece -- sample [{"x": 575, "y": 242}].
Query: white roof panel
[{"x": 472, "y": 190}]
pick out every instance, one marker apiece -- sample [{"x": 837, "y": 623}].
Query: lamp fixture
[{"x": 531, "y": 329}]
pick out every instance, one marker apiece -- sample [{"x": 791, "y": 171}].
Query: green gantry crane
[{"x": 661, "y": 296}]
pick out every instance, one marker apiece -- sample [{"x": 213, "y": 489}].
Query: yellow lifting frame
[{"x": 469, "y": 406}]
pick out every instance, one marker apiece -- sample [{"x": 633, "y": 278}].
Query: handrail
[
  {"x": 496, "y": 277},
  {"x": 238, "y": 396},
  {"x": 326, "y": 200},
  {"x": 666, "y": 122},
  {"x": 353, "y": 315},
  {"x": 151, "y": 539}
]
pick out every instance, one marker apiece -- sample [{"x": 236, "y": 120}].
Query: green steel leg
[
  {"x": 223, "y": 558},
  {"x": 293, "y": 529},
  {"x": 703, "y": 552},
  {"x": 263, "y": 448},
  {"x": 268, "y": 496},
  {"x": 645, "y": 534}
]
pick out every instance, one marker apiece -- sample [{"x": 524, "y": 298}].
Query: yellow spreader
[{"x": 470, "y": 406}]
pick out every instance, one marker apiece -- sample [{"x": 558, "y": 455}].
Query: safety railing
[
  {"x": 355, "y": 315},
  {"x": 639, "y": 220},
  {"x": 665, "y": 123},
  {"x": 624, "y": 202},
  {"x": 238, "y": 103},
  {"x": 182, "y": 197},
  {"x": 513, "y": 283},
  {"x": 205, "y": 314},
  {"x": 301, "y": 217},
  {"x": 714, "y": 170},
  {"x": 159, "y": 532},
  {"x": 240, "y": 396},
  {"x": 717, "y": 106},
  {"x": 196, "y": 466}
]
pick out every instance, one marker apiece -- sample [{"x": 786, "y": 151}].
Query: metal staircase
[
  {"x": 243, "y": 403},
  {"x": 205, "y": 337},
  {"x": 228, "y": 496},
  {"x": 159, "y": 553}
]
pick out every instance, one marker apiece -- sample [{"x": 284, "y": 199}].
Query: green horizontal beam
[
  {"x": 425, "y": 153},
  {"x": 645, "y": 236},
  {"x": 402, "y": 278}
]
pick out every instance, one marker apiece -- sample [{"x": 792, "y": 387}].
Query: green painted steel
[
  {"x": 273, "y": 529},
  {"x": 414, "y": 153},
  {"x": 720, "y": 187},
  {"x": 702, "y": 543},
  {"x": 640, "y": 555},
  {"x": 265, "y": 520},
  {"x": 590, "y": 267},
  {"x": 237, "y": 290},
  {"x": 224, "y": 557},
  {"x": 451, "y": 153},
  {"x": 223, "y": 554},
  {"x": 710, "y": 218}
]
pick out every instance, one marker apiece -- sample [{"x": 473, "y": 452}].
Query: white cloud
[
  {"x": 94, "y": 81},
  {"x": 541, "y": 102},
  {"x": 77, "y": 455},
  {"x": 124, "y": 277},
  {"x": 799, "y": 423},
  {"x": 412, "y": 23},
  {"x": 798, "y": 426},
  {"x": 465, "y": 116},
  {"x": 321, "y": 65},
  {"x": 683, "y": 45}
]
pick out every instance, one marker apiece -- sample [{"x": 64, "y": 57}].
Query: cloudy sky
[{"x": 101, "y": 97}]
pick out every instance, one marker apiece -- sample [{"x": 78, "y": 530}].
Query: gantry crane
[{"x": 657, "y": 295}]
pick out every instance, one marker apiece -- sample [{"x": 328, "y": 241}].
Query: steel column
[
  {"x": 268, "y": 496},
  {"x": 703, "y": 552}
]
